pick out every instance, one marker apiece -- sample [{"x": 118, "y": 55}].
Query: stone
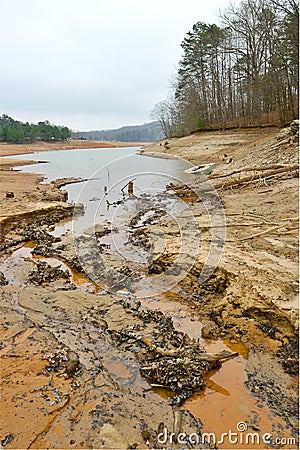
[
  {"x": 294, "y": 126},
  {"x": 209, "y": 331},
  {"x": 284, "y": 133},
  {"x": 109, "y": 437}
]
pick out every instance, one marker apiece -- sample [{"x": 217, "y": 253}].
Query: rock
[
  {"x": 209, "y": 331},
  {"x": 284, "y": 133},
  {"x": 3, "y": 280},
  {"x": 71, "y": 364},
  {"x": 109, "y": 437},
  {"x": 9, "y": 195}
]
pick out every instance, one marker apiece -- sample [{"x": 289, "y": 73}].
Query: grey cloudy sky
[{"x": 92, "y": 64}]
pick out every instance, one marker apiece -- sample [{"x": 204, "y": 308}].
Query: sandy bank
[
  {"x": 21, "y": 149},
  {"x": 256, "y": 180}
]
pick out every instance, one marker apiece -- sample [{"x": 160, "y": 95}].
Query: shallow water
[{"x": 107, "y": 168}]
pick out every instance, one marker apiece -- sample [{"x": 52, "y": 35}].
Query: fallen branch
[
  {"x": 257, "y": 224},
  {"x": 257, "y": 177},
  {"x": 274, "y": 228},
  {"x": 236, "y": 182},
  {"x": 221, "y": 356},
  {"x": 251, "y": 169},
  {"x": 210, "y": 357},
  {"x": 257, "y": 216},
  {"x": 261, "y": 233}
]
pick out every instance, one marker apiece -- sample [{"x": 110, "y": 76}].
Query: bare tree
[{"x": 243, "y": 73}]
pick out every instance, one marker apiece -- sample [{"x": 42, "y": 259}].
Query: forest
[
  {"x": 148, "y": 132},
  {"x": 17, "y": 132},
  {"x": 242, "y": 73}
]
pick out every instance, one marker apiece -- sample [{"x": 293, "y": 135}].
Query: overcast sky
[{"x": 92, "y": 64}]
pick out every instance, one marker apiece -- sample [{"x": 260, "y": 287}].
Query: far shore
[
  {"x": 7, "y": 149},
  {"x": 13, "y": 180}
]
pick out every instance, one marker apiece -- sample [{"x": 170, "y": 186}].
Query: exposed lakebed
[{"x": 226, "y": 400}]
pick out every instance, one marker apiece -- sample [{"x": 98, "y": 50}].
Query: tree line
[
  {"x": 242, "y": 73},
  {"x": 147, "y": 132},
  {"x": 17, "y": 132}
]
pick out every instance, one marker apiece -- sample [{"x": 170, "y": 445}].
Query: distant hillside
[{"x": 147, "y": 132}]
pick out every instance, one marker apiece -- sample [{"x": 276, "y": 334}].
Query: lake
[{"x": 108, "y": 168}]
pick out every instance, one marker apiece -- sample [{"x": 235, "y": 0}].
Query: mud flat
[{"x": 84, "y": 367}]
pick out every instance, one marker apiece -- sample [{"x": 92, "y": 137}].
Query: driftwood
[
  {"x": 268, "y": 171},
  {"x": 61, "y": 182},
  {"x": 243, "y": 224},
  {"x": 251, "y": 178},
  {"x": 210, "y": 357},
  {"x": 253, "y": 169},
  {"x": 252, "y": 215},
  {"x": 273, "y": 228},
  {"x": 251, "y": 224}
]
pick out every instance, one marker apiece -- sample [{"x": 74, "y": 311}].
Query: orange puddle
[
  {"x": 226, "y": 401},
  {"x": 76, "y": 277}
]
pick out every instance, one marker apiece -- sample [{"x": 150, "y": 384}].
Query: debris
[
  {"x": 203, "y": 169},
  {"x": 3, "y": 280},
  {"x": 44, "y": 273},
  {"x": 7, "y": 440},
  {"x": 170, "y": 359},
  {"x": 64, "y": 361}
]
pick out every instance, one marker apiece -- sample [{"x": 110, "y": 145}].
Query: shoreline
[
  {"x": 22, "y": 184},
  {"x": 7, "y": 149}
]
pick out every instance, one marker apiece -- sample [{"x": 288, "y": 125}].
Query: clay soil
[{"x": 82, "y": 368}]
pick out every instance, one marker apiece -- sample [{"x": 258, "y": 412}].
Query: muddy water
[
  {"x": 25, "y": 252},
  {"x": 226, "y": 403}
]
